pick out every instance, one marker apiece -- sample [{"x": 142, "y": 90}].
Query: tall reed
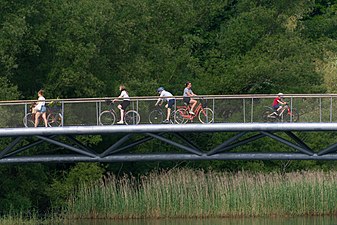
[{"x": 189, "y": 193}]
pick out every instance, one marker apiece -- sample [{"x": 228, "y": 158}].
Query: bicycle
[
  {"x": 285, "y": 115},
  {"x": 108, "y": 117},
  {"x": 54, "y": 118},
  {"x": 157, "y": 115},
  {"x": 204, "y": 114}
]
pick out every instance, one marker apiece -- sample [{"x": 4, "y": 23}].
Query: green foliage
[{"x": 62, "y": 188}]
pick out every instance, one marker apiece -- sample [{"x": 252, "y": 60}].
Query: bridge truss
[{"x": 63, "y": 145}]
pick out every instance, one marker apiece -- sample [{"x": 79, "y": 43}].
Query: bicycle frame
[{"x": 188, "y": 107}]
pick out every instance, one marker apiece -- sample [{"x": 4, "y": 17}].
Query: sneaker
[
  {"x": 120, "y": 122},
  {"x": 191, "y": 112},
  {"x": 166, "y": 121}
]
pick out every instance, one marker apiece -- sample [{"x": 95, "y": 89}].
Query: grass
[{"x": 187, "y": 193}]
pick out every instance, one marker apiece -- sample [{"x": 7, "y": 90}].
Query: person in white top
[
  {"x": 188, "y": 93},
  {"x": 125, "y": 103},
  {"x": 165, "y": 96},
  {"x": 41, "y": 109}
]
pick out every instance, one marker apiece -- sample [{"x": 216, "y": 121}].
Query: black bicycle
[
  {"x": 108, "y": 117},
  {"x": 158, "y": 115}
]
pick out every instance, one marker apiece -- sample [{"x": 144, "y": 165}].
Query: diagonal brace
[
  {"x": 286, "y": 142},
  {"x": 67, "y": 146},
  {"x": 138, "y": 142},
  {"x": 10, "y": 146},
  {"x": 186, "y": 148},
  {"x": 299, "y": 141},
  {"x": 116, "y": 145},
  {"x": 243, "y": 142},
  {"x": 330, "y": 149},
  {"x": 191, "y": 144},
  {"x": 218, "y": 148}
]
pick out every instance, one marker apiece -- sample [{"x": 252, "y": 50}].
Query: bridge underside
[{"x": 65, "y": 144}]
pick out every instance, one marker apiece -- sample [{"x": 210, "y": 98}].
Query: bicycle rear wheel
[
  {"x": 29, "y": 120},
  {"x": 107, "y": 118},
  {"x": 180, "y": 116},
  {"x": 206, "y": 115},
  {"x": 156, "y": 117},
  {"x": 55, "y": 119},
  {"x": 132, "y": 117},
  {"x": 267, "y": 115}
]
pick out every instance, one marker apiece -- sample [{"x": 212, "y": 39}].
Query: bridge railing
[{"x": 227, "y": 109}]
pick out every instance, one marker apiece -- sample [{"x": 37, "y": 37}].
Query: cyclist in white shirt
[
  {"x": 41, "y": 110},
  {"x": 188, "y": 93},
  {"x": 125, "y": 103},
  {"x": 168, "y": 97}
]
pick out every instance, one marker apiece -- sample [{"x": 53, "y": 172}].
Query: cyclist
[
  {"x": 188, "y": 93},
  {"x": 278, "y": 104},
  {"x": 166, "y": 96},
  {"x": 125, "y": 103},
  {"x": 40, "y": 109}
]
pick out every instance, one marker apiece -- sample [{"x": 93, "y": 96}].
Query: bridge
[{"x": 237, "y": 120}]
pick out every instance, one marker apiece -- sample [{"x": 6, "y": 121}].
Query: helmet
[
  {"x": 160, "y": 89},
  {"x": 280, "y": 94}
]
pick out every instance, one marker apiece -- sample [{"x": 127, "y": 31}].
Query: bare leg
[
  {"x": 168, "y": 113},
  {"x": 194, "y": 103},
  {"x": 44, "y": 116},
  {"x": 37, "y": 117}
]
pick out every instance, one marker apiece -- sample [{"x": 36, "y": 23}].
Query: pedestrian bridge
[{"x": 237, "y": 121}]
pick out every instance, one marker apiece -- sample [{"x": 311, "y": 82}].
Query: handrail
[{"x": 242, "y": 96}]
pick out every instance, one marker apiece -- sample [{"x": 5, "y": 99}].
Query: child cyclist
[
  {"x": 278, "y": 104},
  {"x": 166, "y": 96},
  {"x": 125, "y": 103}
]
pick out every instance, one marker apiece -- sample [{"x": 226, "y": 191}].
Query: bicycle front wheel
[
  {"x": 156, "y": 117},
  {"x": 206, "y": 115},
  {"x": 55, "y": 119},
  {"x": 29, "y": 120},
  {"x": 291, "y": 116},
  {"x": 107, "y": 118},
  {"x": 132, "y": 117}
]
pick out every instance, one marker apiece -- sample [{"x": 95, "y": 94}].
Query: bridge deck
[{"x": 72, "y": 150}]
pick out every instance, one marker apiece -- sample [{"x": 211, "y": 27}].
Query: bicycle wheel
[
  {"x": 29, "y": 120},
  {"x": 55, "y": 119},
  {"x": 156, "y": 116},
  {"x": 132, "y": 117},
  {"x": 267, "y": 115},
  {"x": 291, "y": 116},
  {"x": 180, "y": 116},
  {"x": 206, "y": 115},
  {"x": 107, "y": 118}
]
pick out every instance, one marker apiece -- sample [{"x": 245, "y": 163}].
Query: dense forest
[{"x": 87, "y": 48}]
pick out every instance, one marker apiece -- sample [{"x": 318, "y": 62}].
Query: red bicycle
[{"x": 204, "y": 114}]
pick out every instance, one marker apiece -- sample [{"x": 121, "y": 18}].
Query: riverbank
[{"x": 187, "y": 193}]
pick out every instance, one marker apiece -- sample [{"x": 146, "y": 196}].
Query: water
[{"x": 217, "y": 221}]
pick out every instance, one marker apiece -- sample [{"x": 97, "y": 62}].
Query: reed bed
[{"x": 189, "y": 193}]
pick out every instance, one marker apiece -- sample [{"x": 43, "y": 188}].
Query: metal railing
[{"x": 226, "y": 108}]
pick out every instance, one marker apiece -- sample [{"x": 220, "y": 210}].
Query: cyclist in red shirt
[{"x": 278, "y": 103}]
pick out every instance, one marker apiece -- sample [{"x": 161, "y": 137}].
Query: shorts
[
  {"x": 187, "y": 100},
  {"x": 275, "y": 107},
  {"x": 43, "y": 109},
  {"x": 125, "y": 104},
  {"x": 170, "y": 103}
]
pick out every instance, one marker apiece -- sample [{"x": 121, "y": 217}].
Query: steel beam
[
  {"x": 166, "y": 157},
  {"x": 167, "y": 128}
]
